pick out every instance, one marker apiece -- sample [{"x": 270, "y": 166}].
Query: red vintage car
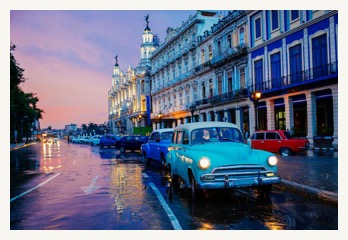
[{"x": 278, "y": 141}]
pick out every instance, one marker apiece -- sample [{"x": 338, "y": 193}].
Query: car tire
[
  {"x": 265, "y": 191},
  {"x": 285, "y": 152},
  {"x": 163, "y": 160},
  {"x": 194, "y": 189},
  {"x": 101, "y": 145},
  {"x": 174, "y": 177},
  {"x": 145, "y": 159}
]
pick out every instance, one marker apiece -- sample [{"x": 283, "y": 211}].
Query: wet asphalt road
[{"x": 73, "y": 186}]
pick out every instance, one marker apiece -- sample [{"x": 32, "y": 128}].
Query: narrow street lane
[{"x": 75, "y": 186}]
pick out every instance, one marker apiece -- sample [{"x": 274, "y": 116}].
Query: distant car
[
  {"x": 157, "y": 146},
  {"x": 278, "y": 141},
  {"x": 55, "y": 140},
  {"x": 85, "y": 139},
  {"x": 213, "y": 155},
  {"x": 109, "y": 141},
  {"x": 130, "y": 142},
  {"x": 95, "y": 140}
]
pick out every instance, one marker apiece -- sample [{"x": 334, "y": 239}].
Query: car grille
[{"x": 235, "y": 172}]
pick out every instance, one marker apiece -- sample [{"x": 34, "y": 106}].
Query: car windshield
[
  {"x": 166, "y": 135},
  {"x": 216, "y": 134}
]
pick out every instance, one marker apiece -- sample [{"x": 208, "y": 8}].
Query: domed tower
[{"x": 148, "y": 46}]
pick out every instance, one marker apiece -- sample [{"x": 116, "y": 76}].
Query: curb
[
  {"x": 314, "y": 192},
  {"x": 18, "y": 146}
]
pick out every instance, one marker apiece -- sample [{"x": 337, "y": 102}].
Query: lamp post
[
  {"x": 192, "y": 110},
  {"x": 255, "y": 98},
  {"x": 160, "y": 115},
  {"x": 140, "y": 123}
]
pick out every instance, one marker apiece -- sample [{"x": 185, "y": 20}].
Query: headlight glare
[
  {"x": 204, "y": 163},
  {"x": 272, "y": 161}
]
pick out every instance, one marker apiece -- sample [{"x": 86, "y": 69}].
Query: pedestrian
[{"x": 246, "y": 134}]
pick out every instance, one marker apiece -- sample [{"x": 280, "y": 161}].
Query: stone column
[
  {"x": 239, "y": 120},
  {"x": 311, "y": 116},
  {"x": 289, "y": 112},
  {"x": 209, "y": 116},
  {"x": 335, "y": 115},
  {"x": 270, "y": 114}
]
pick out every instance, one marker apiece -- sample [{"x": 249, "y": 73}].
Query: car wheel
[
  {"x": 174, "y": 177},
  {"x": 101, "y": 145},
  {"x": 194, "y": 189},
  {"x": 122, "y": 149},
  {"x": 285, "y": 152},
  {"x": 145, "y": 159},
  {"x": 264, "y": 191},
  {"x": 163, "y": 160}
]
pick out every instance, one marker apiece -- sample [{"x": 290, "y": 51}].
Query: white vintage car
[{"x": 213, "y": 155}]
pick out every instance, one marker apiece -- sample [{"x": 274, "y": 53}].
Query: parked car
[
  {"x": 85, "y": 139},
  {"x": 213, "y": 155},
  {"x": 76, "y": 139},
  {"x": 157, "y": 146},
  {"x": 95, "y": 140},
  {"x": 130, "y": 142},
  {"x": 278, "y": 141},
  {"x": 109, "y": 140}
]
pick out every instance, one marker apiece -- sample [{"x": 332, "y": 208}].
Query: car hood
[{"x": 225, "y": 153}]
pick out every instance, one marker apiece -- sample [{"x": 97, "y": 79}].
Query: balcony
[
  {"x": 299, "y": 79},
  {"x": 224, "y": 97},
  {"x": 229, "y": 54}
]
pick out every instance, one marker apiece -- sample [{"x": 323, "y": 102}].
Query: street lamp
[
  {"x": 160, "y": 115},
  {"x": 255, "y": 97},
  {"x": 192, "y": 110},
  {"x": 140, "y": 123}
]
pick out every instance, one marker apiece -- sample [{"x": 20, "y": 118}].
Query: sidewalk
[{"x": 314, "y": 174}]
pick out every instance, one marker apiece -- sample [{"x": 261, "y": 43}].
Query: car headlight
[
  {"x": 272, "y": 161},
  {"x": 204, "y": 163}
]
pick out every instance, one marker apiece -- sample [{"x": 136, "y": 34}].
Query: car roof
[
  {"x": 192, "y": 126},
  {"x": 261, "y": 131},
  {"x": 164, "y": 130}
]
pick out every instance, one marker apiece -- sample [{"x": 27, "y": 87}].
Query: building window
[
  {"x": 174, "y": 99},
  {"x": 275, "y": 20},
  {"x": 294, "y": 15},
  {"x": 319, "y": 55},
  {"x": 193, "y": 62},
  {"x": 179, "y": 68},
  {"x": 219, "y": 47},
  {"x": 241, "y": 36},
  {"x": 203, "y": 90},
  {"x": 180, "y": 97},
  {"x": 242, "y": 78},
  {"x": 203, "y": 56},
  {"x": 219, "y": 85},
  {"x": 195, "y": 93},
  {"x": 210, "y": 52},
  {"x": 258, "y": 70},
  {"x": 295, "y": 53},
  {"x": 211, "y": 92},
  {"x": 186, "y": 66},
  {"x": 229, "y": 82},
  {"x": 257, "y": 28},
  {"x": 275, "y": 69},
  {"x": 187, "y": 93},
  {"x": 229, "y": 41}
]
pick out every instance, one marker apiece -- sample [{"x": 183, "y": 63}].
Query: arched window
[
  {"x": 229, "y": 41},
  {"x": 219, "y": 47},
  {"x": 241, "y": 36},
  {"x": 210, "y": 52},
  {"x": 203, "y": 56}
]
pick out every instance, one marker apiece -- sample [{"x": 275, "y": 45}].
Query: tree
[{"x": 22, "y": 105}]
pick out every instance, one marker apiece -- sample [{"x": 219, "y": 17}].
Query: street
[{"x": 81, "y": 187}]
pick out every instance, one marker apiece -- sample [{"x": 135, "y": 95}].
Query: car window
[
  {"x": 166, "y": 135},
  {"x": 272, "y": 135},
  {"x": 152, "y": 137},
  {"x": 259, "y": 136},
  {"x": 185, "y": 138},
  {"x": 157, "y": 137},
  {"x": 179, "y": 137}
]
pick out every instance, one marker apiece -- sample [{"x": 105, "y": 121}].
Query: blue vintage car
[
  {"x": 157, "y": 146},
  {"x": 213, "y": 155}
]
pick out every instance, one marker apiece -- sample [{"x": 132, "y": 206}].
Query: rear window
[{"x": 272, "y": 136}]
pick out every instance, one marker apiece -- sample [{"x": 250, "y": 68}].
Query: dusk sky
[{"x": 68, "y": 56}]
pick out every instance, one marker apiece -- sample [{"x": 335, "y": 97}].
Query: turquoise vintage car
[{"x": 213, "y": 155}]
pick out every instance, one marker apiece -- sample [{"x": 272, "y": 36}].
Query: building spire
[
  {"x": 147, "y": 23},
  {"x": 116, "y": 58}
]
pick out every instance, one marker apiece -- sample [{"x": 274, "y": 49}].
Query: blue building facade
[{"x": 293, "y": 62}]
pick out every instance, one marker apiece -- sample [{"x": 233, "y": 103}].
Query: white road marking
[
  {"x": 92, "y": 187},
  {"x": 145, "y": 175},
  {"x": 166, "y": 208},
  {"x": 32, "y": 189}
]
